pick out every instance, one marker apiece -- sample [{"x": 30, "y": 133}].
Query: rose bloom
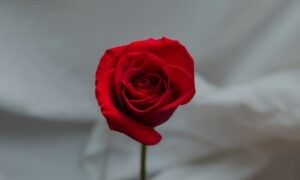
[{"x": 140, "y": 85}]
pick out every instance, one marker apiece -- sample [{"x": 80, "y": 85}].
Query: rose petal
[
  {"x": 142, "y": 60},
  {"x": 109, "y": 60},
  {"x": 157, "y": 116},
  {"x": 171, "y": 51},
  {"x": 118, "y": 121},
  {"x": 146, "y": 102},
  {"x": 130, "y": 74},
  {"x": 136, "y": 111},
  {"x": 138, "y": 107},
  {"x": 183, "y": 83},
  {"x": 132, "y": 93},
  {"x": 161, "y": 86}
]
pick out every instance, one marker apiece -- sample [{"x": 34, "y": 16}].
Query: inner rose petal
[
  {"x": 144, "y": 83},
  {"x": 145, "y": 103},
  {"x": 140, "y": 108},
  {"x": 138, "y": 83},
  {"x": 132, "y": 93},
  {"x": 139, "y": 75},
  {"x": 147, "y": 82},
  {"x": 138, "y": 104}
]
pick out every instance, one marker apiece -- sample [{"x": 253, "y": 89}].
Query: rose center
[{"x": 145, "y": 82}]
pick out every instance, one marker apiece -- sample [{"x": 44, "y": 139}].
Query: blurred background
[{"x": 244, "y": 122}]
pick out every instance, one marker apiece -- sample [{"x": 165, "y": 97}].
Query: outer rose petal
[
  {"x": 109, "y": 60},
  {"x": 171, "y": 51},
  {"x": 183, "y": 83},
  {"x": 117, "y": 120},
  {"x": 157, "y": 118}
]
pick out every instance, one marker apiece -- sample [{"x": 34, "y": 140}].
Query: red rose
[{"x": 140, "y": 85}]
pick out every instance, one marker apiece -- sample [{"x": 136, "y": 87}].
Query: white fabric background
[{"x": 244, "y": 122}]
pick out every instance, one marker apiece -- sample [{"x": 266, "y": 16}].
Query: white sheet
[{"x": 244, "y": 122}]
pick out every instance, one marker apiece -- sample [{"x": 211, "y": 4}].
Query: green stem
[{"x": 143, "y": 161}]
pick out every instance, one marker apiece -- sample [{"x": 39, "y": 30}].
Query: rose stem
[{"x": 143, "y": 161}]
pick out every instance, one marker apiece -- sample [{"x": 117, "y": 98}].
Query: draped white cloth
[{"x": 243, "y": 123}]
